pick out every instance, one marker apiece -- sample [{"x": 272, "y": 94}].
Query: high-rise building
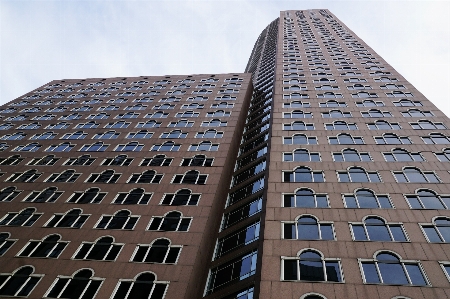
[{"x": 319, "y": 173}]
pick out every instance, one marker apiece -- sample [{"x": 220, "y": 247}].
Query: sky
[{"x": 41, "y": 41}]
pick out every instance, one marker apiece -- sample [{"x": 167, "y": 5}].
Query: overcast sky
[{"x": 42, "y": 41}]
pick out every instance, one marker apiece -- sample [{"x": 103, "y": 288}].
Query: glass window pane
[
  {"x": 392, "y": 273},
  {"x": 415, "y": 275},
  {"x": 290, "y": 270},
  {"x": 359, "y": 233},
  {"x": 397, "y": 233},
  {"x": 378, "y": 233},
  {"x": 333, "y": 271}
]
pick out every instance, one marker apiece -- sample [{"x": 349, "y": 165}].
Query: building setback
[{"x": 319, "y": 173}]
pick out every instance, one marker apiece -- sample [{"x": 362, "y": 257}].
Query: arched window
[
  {"x": 301, "y": 155},
  {"x": 415, "y": 175},
  {"x": 351, "y": 155},
  {"x": 344, "y": 138},
  {"x": 336, "y": 114},
  {"x": 303, "y": 174},
  {"x": 47, "y": 160},
  {"x": 383, "y": 125},
  {"x": 305, "y": 198},
  {"x": 119, "y": 160},
  {"x": 212, "y": 133},
  {"x": 174, "y": 134},
  {"x": 72, "y": 218},
  {"x": 328, "y": 95},
  {"x": 295, "y": 95},
  {"x": 50, "y": 194},
  {"x": 118, "y": 125},
  {"x": 388, "y": 268},
  {"x": 310, "y": 265},
  {"x": 157, "y": 114},
  {"x": 358, "y": 175},
  {"x": 129, "y": 147},
  {"x": 296, "y": 104},
  {"x": 204, "y": 146},
  {"x": 407, "y": 103},
  {"x": 366, "y": 199},
  {"x": 31, "y": 147},
  {"x": 402, "y": 155},
  {"x": 297, "y": 114},
  {"x": 92, "y": 195},
  {"x": 428, "y": 199},
  {"x": 341, "y": 125},
  {"x": 50, "y": 247},
  {"x": 307, "y": 227},
  {"x": 182, "y": 197},
  {"x": 172, "y": 221},
  {"x": 391, "y": 138},
  {"x": 436, "y": 138},
  {"x": 332, "y": 104},
  {"x": 438, "y": 231},
  {"x": 298, "y": 126},
  {"x": 26, "y": 217},
  {"x": 134, "y": 197},
  {"x": 166, "y": 146},
  {"x": 143, "y": 286},
  {"x": 106, "y": 177},
  {"x": 103, "y": 249},
  {"x": 68, "y": 176},
  {"x": 417, "y": 113},
  {"x": 120, "y": 220},
  {"x": 217, "y": 113},
  {"x": 81, "y": 285},
  {"x": 9, "y": 193},
  {"x": 197, "y": 160},
  {"x": 374, "y": 228},
  {"x": 146, "y": 177},
  {"x": 160, "y": 251},
  {"x": 364, "y": 94},
  {"x": 214, "y": 123},
  {"x": 369, "y": 103},
  {"x": 399, "y": 94},
  {"x": 62, "y": 147},
  {"x": 190, "y": 177},
  {"x": 189, "y": 113},
  {"x": 427, "y": 125},
  {"x": 20, "y": 283},
  {"x": 300, "y": 139},
  {"x": 149, "y": 124},
  {"x": 157, "y": 160},
  {"x": 85, "y": 160},
  {"x": 376, "y": 113},
  {"x": 13, "y": 160}
]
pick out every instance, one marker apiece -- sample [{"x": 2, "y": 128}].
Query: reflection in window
[
  {"x": 438, "y": 231},
  {"x": 20, "y": 283},
  {"x": 310, "y": 265},
  {"x": 81, "y": 285},
  {"x": 308, "y": 227},
  {"x": 388, "y": 268},
  {"x": 144, "y": 285},
  {"x": 374, "y": 228},
  {"x": 367, "y": 199},
  {"x": 305, "y": 198}
]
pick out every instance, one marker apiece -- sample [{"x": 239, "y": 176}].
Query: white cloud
[{"x": 46, "y": 40}]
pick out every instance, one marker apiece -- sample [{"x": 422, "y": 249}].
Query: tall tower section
[{"x": 358, "y": 177}]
